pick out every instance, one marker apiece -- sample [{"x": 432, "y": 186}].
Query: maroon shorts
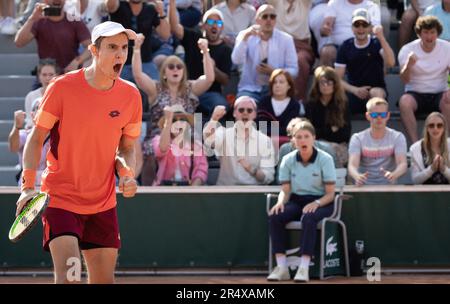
[{"x": 100, "y": 230}]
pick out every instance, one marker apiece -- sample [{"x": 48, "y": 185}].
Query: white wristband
[{"x": 317, "y": 202}]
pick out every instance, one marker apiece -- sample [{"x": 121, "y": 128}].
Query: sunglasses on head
[
  {"x": 438, "y": 125},
  {"x": 242, "y": 110},
  {"x": 172, "y": 66},
  {"x": 378, "y": 114},
  {"x": 360, "y": 24},
  {"x": 211, "y": 22},
  {"x": 267, "y": 16}
]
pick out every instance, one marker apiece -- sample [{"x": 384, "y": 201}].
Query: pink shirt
[{"x": 167, "y": 163}]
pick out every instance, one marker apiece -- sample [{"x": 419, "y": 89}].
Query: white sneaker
[
  {"x": 8, "y": 26},
  {"x": 302, "y": 275},
  {"x": 280, "y": 273}
]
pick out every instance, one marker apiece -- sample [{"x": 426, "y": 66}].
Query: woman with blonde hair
[
  {"x": 430, "y": 159},
  {"x": 328, "y": 110},
  {"x": 173, "y": 88}
]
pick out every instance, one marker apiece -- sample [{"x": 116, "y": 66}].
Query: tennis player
[{"x": 93, "y": 117}]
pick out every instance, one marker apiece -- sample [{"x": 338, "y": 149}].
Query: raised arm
[
  {"x": 24, "y": 35},
  {"x": 163, "y": 29},
  {"x": 202, "y": 84},
  {"x": 14, "y": 136},
  {"x": 143, "y": 81},
  {"x": 388, "y": 53},
  {"x": 175, "y": 26}
]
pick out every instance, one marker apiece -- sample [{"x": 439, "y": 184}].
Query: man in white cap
[
  {"x": 337, "y": 25},
  {"x": 363, "y": 58},
  {"x": 246, "y": 155},
  {"x": 93, "y": 118},
  {"x": 220, "y": 52}
]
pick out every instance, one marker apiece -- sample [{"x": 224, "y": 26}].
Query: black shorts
[{"x": 426, "y": 102}]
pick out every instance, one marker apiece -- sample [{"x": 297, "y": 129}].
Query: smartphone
[
  {"x": 264, "y": 61},
  {"x": 49, "y": 11}
]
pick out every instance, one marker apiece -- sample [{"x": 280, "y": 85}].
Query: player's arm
[
  {"x": 126, "y": 165},
  {"x": 31, "y": 158}
]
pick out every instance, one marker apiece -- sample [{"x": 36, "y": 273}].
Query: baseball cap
[
  {"x": 212, "y": 11},
  {"x": 108, "y": 29},
  {"x": 360, "y": 14}
]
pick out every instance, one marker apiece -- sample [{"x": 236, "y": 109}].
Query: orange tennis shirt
[{"x": 86, "y": 126}]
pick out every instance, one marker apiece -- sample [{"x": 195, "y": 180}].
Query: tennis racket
[{"x": 28, "y": 217}]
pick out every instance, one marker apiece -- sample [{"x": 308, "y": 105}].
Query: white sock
[
  {"x": 304, "y": 261},
  {"x": 281, "y": 260}
]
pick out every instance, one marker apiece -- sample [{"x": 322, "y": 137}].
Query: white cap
[
  {"x": 108, "y": 29},
  {"x": 212, "y": 11},
  {"x": 245, "y": 98}
]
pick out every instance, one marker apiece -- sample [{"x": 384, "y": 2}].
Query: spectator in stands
[
  {"x": 262, "y": 48},
  {"x": 220, "y": 53},
  {"x": 316, "y": 16},
  {"x": 424, "y": 68},
  {"x": 91, "y": 12},
  {"x": 18, "y": 136},
  {"x": 237, "y": 16},
  {"x": 362, "y": 59},
  {"x": 337, "y": 25},
  {"x": 430, "y": 157},
  {"x": 328, "y": 111},
  {"x": 377, "y": 155},
  {"x": 7, "y": 23},
  {"x": 56, "y": 36},
  {"x": 308, "y": 178},
  {"x": 46, "y": 70},
  {"x": 409, "y": 18},
  {"x": 441, "y": 10},
  {"x": 141, "y": 17},
  {"x": 173, "y": 88},
  {"x": 189, "y": 11},
  {"x": 293, "y": 18},
  {"x": 181, "y": 160},
  {"x": 280, "y": 105},
  {"x": 246, "y": 155}
]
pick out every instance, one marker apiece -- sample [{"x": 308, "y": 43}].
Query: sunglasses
[
  {"x": 211, "y": 22},
  {"x": 438, "y": 125},
  {"x": 326, "y": 82},
  {"x": 267, "y": 16},
  {"x": 172, "y": 66},
  {"x": 378, "y": 114},
  {"x": 242, "y": 110},
  {"x": 360, "y": 24}
]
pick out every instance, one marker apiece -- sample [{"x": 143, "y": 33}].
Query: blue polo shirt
[{"x": 309, "y": 179}]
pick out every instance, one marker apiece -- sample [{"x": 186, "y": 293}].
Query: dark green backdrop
[{"x": 407, "y": 229}]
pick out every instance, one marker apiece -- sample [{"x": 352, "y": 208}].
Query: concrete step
[
  {"x": 8, "y": 105},
  {"x": 7, "y": 46},
  {"x": 5, "y": 128},
  {"x": 7, "y": 158},
  {"x": 15, "y": 86},
  {"x": 8, "y": 176},
  {"x": 18, "y": 64}
]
